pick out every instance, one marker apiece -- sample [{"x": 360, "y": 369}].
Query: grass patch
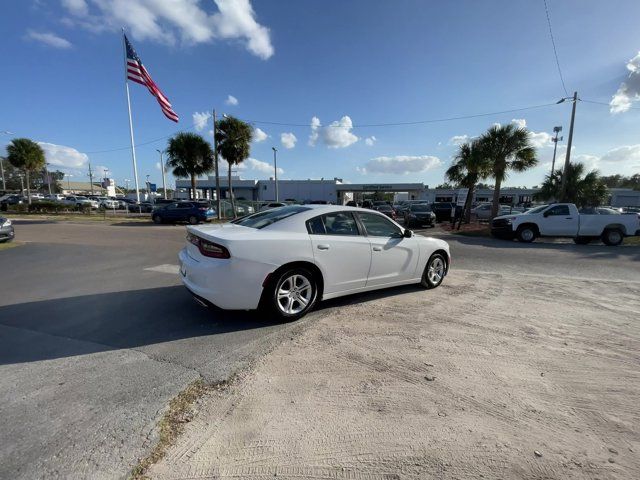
[
  {"x": 180, "y": 412},
  {"x": 632, "y": 241},
  {"x": 8, "y": 245}
]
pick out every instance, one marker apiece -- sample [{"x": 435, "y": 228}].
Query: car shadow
[{"x": 65, "y": 327}]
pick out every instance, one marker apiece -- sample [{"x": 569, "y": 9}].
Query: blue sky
[{"x": 311, "y": 64}]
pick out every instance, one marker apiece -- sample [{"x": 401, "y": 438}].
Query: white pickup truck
[{"x": 563, "y": 220}]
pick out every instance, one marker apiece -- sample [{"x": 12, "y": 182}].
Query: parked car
[
  {"x": 142, "y": 207},
  {"x": 54, "y": 197},
  {"x": 483, "y": 211},
  {"x": 386, "y": 209},
  {"x": 443, "y": 210},
  {"x": 10, "y": 200},
  {"x": 79, "y": 201},
  {"x": 192, "y": 212},
  {"x": 352, "y": 203},
  {"x": 563, "y": 220},
  {"x": 367, "y": 204},
  {"x": 6, "y": 230},
  {"x": 419, "y": 214},
  {"x": 107, "y": 203},
  {"x": 285, "y": 260}
]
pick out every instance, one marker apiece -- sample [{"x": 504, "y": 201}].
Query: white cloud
[
  {"x": 200, "y": 120},
  {"x": 76, "y": 7},
  {"x": 170, "y": 21},
  {"x": 260, "y": 166},
  {"x": 401, "y": 164},
  {"x": 288, "y": 140},
  {"x": 231, "y": 100},
  {"x": 369, "y": 141},
  {"x": 336, "y": 135},
  {"x": 625, "y": 154},
  {"x": 519, "y": 122},
  {"x": 259, "y": 135},
  {"x": 63, "y": 156},
  {"x": 458, "y": 139},
  {"x": 50, "y": 39},
  {"x": 315, "y": 127},
  {"x": 540, "y": 139},
  {"x": 590, "y": 162},
  {"x": 629, "y": 91}
]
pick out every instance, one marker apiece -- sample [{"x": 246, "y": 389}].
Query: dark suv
[
  {"x": 443, "y": 210},
  {"x": 192, "y": 212}
]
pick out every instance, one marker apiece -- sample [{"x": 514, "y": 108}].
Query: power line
[
  {"x": 606, "y": 104},
  {"x": 555, "y": 51}
]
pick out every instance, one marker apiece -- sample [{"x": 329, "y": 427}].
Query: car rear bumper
[
  {"x": 6, "y": 234},
  {"x": 230, "y": 284}
]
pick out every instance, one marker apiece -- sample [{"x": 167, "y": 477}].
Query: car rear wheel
[
  {"x": 612, "y": 237},
  {"x": 292, "y": 294},
  {"x": 157, "y": 219},
  {"x": 193, "y": 220},
  {"x": 434, "y": 271},
  {"x": 526, "y": 234}
]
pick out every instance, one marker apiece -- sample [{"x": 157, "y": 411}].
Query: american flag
[{"x": 137, "y": 73}]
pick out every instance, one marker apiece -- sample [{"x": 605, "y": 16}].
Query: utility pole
[
  {"x": 275, "y": 169},
  {"x": 164, "y": 183},
  {"x": 21, "y": 185},
  {"x": 556, "y": 130},
  {"x": 215, "y": 155},
  {"x": 46, "y": 171},
  {"x": 91, "y": 178},
  {"x": 4, "y": 185},
  {"x": 568, "y": 157}
]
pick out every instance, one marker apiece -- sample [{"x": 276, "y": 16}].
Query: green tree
[
  {"x": 189, "y": 155},
  {"x": 508, "y": 148},
  {"x": 469, "y": 166},
  {"x": 28, "y": 156},
  {"x": 585, "y": 190},
  {"x": 234, "y": 145}
]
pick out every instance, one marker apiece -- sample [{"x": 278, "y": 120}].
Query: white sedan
[{"x": 286, "y": 259}]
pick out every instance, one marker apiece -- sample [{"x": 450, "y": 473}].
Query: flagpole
[{"x": 133, "y": 146}]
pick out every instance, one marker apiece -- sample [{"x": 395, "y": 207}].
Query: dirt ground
[{"x": 489, "y": 376}]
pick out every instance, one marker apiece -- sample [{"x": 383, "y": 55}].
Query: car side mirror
[{"x": 407, "y": 233}]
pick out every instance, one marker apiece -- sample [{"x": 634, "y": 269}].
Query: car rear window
[
  {"x": 268, "y": 217},
  {"x": 420, "y": 208}
]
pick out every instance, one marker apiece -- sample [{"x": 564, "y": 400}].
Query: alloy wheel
[{"x": 294, "y": 294}]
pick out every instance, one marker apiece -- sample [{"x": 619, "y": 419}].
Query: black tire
[
  {"x": 582, "y": 240},
  {"x": 612, "y": 237},
  {"x": 526, "y": 234},
  {"x": 157, "y": 219},
  {"x": 434, "y": 271},
  {"x": 193, "y": 220},
  {"x": 277, "y": 305}
]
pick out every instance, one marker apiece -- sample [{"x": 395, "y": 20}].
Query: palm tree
[
  {"x": 584, "y": 190},
  {"x": 189, "y": 155},
  {"x": 469, "y": 166},
  {"x": 507, "y": 148},
  {"x": 233, "y": 137},
  {"x": 26, "y": 155}
]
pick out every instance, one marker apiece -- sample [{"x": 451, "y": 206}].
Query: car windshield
[
  {"x": 267, "y": 217},
  {"x": 420, "y": 208},
  {"x": 536, "y": 210}
]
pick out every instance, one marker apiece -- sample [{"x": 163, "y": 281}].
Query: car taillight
[{"x": 207, "y": 248}]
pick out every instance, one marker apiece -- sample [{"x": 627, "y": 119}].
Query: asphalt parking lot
[{"x": 97, "y": 335}]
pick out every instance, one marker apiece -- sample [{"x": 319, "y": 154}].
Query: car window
[
  {"x": 379, "y": 226},
  {"x": 558, "y": 210},
  {"x": 340, "y": 223},
  {"x": 315, "y": 226},
  {"x": 420, "y": 208},
  {"x": 184, "y": 205},
  {"x": 267, "y": 217}
]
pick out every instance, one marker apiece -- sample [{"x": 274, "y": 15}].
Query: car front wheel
[
  {"x": 434, "y": 271},
  {"x": 526, "y": 234},
  {"x": 157, "y": 219},
  {"x": 193, "y": 220},
  {"x": 292, "y": 294}
]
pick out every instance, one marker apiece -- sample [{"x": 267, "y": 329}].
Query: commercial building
[{"x": 336, "y": 191}]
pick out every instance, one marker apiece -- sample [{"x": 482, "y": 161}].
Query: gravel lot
[
  {"x": 97, "y": 335},
  {"x": 468, "y": 381}
]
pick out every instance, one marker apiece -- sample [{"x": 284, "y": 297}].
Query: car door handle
[
  {"x": 323, "y": 246},
  {"x": 377, "y": 249}
]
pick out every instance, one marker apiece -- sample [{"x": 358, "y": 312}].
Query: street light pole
[
  {"x": 215, "y": 154},
  {"x": 567, "y": 159},
  {"x": 91, "y": 178},
  {"x": 4, "y": 185},
  {"x": 275, "y": 169},
  {"x": 68, "y": 175},
  {"x": 164, "y": 184},
  {"x": 556, "y": 130}
]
